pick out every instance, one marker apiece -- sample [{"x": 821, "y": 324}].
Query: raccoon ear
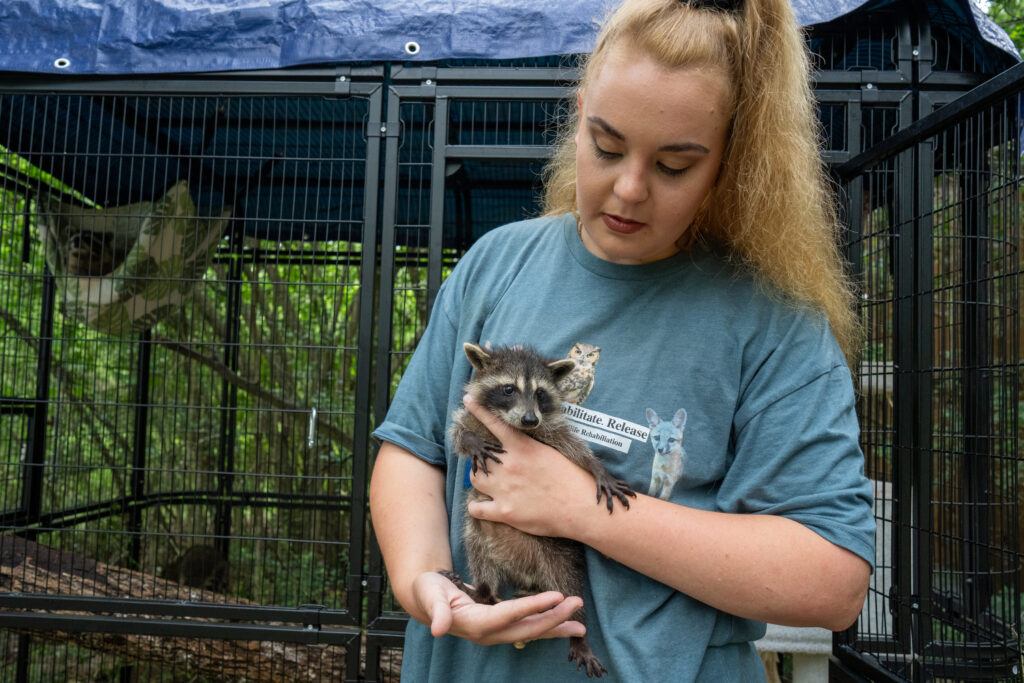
[
  {"x": 477, "y": 356},
  {"x": 561, "y": 368}
]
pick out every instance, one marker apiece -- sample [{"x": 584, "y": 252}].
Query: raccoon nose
[{"x": 530, "y": 420}]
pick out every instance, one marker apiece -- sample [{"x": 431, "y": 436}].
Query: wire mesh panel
[
  {"x": 940, "y": 269},
  {"x": 459, "y": 167},
  {"x": 874, "y": 42},
  {"x": 185, "y": 291}
]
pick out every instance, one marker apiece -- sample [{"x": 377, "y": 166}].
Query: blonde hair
[{"x": 771, "y": 209}]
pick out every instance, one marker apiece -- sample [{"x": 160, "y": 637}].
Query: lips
[{"x": 621, "y": 225}]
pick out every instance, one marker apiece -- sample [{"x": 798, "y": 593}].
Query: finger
[
  {"x": 545, "y": 605},
  {"x": 501, "y": 430},
  {"x": 482, "y": 509},
  {"x": 439, "y": 610},
  {"x": 507, "y": 612},
  {"x": 554, "y": 623},
  {"x": 440, "y": 618},
  {"x": 567, "y": 629}
]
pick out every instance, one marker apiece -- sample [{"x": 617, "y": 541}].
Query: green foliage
[{"x": 1010, "y": 15}]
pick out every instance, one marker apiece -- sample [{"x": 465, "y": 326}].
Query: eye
[
  {"x": 602, "y": 153},
  {"x": 672, "y": 172},
  {"x": 541, "y": 394},
  {"x": 508, "y": 390},
  {"x": 608, "y": 156}
]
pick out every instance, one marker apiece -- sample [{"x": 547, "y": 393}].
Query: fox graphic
[{"x": 667, "y": 440}]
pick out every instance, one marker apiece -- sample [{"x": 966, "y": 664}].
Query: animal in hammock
[
  {"x": 200, "y": 566},
  {"x": 520, "y": 387},
  {"x": 92, "y": 254}
]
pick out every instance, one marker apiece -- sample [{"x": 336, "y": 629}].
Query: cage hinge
[{"x": 342, "y": 85}]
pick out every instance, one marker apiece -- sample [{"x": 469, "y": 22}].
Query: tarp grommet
[
  {"x": 62, "y": 62},
  {"x": 412, "y": 47}
]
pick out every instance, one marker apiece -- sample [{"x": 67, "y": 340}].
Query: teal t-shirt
[{"x": 694, "y": 384}]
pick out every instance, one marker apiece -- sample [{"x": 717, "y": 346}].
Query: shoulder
[
  {"x": 782, "y": 343},
  {"x": 519, "y": 237},
  {"x": 500, "y": 255}
]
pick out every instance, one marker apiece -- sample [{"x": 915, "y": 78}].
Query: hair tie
[{"x": 721, "y": 5}]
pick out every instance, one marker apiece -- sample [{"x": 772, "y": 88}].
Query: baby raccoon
[{"x": 521, "y": 388}]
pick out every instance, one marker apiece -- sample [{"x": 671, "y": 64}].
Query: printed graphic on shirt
[
  {"x": 607, "y": 430},
  {"x": 667, "y": 440},
  {"x": 576, "y": 386},
  {"x": 591, "y": 425}
]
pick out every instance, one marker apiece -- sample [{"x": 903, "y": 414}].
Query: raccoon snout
[{"x": 530, "y": 420}]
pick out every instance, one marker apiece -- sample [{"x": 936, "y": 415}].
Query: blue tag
[{"x": 466, "y": 483}]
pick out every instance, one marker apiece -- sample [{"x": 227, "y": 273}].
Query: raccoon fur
[{"x": 519, "y": 386}]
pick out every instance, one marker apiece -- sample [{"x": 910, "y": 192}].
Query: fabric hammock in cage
[{"x": 122, "y": 269}]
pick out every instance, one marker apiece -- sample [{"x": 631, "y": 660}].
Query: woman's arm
[
  {"x": 757, "y": 566},
  {"x": 410, "y": 519},
  {"x": 407, "y": 507}
]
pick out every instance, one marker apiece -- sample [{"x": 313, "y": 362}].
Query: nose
[
  {"x": 631, "y": 185},
  {"x": 530, "y": 420}
]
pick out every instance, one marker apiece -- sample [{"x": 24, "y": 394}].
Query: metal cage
[
  {"x": 235, "y": 428},
  {"x": 934, "y": 217}
]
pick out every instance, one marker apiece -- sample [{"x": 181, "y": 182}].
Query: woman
[{"x": 687, "y": 261}]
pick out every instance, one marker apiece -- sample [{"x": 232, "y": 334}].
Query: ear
[
  {"x": 561, "y": 368},
  {"x": 652, "y": 417},
  {"x": 477, "y": 356},
  {"x": 679, "y": 419}
]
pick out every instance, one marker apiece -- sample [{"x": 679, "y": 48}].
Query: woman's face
[{"x": 648, "y": 149}]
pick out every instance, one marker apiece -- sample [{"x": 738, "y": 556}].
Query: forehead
[{"x": 636, "y": 94}]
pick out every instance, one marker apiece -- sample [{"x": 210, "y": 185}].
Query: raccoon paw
[
  {"x": 584, "y": 658},
  {"x": 454, "y": 578},
  {"x": 481, "y": 450},
  {"x": 612, "y": 488},
  {"x": 484, "y": 595}
]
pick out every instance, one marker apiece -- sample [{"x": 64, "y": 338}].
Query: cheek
[{"x": 592, "y": 181}]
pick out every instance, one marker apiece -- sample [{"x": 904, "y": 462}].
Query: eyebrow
[{"x": 676, "y": 147}]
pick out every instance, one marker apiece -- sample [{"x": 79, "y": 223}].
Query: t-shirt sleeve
[
  {"x": 798, "y": 455},
  {"x": 417, "y": 416}
]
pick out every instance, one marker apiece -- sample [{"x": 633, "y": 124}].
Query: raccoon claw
[
  {"x": 454, "y": 578},
  {"x": 481, "y": 594},
  {"x": 584, "y": 659},
  {"x": 480, "y": 462},
  {"x": 614, "y": 488},
  {"x": 481, "y": 450}
]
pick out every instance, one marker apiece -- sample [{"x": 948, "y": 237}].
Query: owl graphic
[{"x": 576, "y": 386}]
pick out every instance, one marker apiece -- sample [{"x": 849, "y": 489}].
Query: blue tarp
[{"x": 162, "y": 36}]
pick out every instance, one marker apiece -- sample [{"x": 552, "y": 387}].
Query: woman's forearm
[
  {"x": 409, "y": 516},
  {"x": 757, "y": 566}
]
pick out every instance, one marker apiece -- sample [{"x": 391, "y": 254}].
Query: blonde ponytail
[{"x": 772, "y": 209}]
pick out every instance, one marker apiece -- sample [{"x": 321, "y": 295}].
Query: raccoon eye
[
  {"x": 541, "y": 394},
  {"x": 508, "y": 390}
]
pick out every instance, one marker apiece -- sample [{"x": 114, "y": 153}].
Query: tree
[{"x": 1009, "y": 14}]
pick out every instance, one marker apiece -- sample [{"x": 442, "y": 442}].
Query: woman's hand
[
  {"x": 535, "y": 488},
  {"x": 452, "y": 612}
]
